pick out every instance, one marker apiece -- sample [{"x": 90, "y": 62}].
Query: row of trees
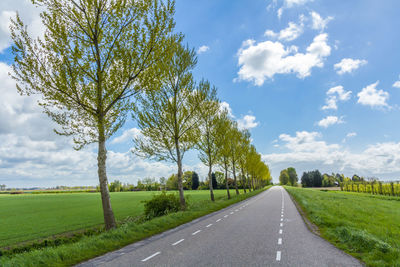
[
  {"x": 316, "y": 179},
  {"x": 288, "y": 177},
  {"x": 372, "y": 187},
  {"x": 182, "y": 115},
  {"x": 100, "y": 60}
]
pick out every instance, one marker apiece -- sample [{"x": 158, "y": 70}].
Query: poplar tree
[
  {"x": 169, "y": 117},
  {"x": 96, "y": 55}
]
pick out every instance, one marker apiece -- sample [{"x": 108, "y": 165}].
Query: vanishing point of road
[{"x": 265, "y": 230}]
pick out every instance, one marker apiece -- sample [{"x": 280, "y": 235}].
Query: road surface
[{"x": 266, "y": 230}]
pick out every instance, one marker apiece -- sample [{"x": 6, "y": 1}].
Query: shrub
[{"x": 161, "y": 204}]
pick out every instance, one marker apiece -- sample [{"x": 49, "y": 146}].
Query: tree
[
  {"x": 163, "y": 183},
  {"x": 214, "y": 181},
  {"x": 293, "y": 179},
  {"x": 115, "y": 186},
  {"x": 2, "y": 187},
  {"x": 169, "y": 116},
  {"x": 172, "y": 182},
  {"x": 235, "y": 150},
  {"x": 208, "y": 144},
  {"x": 195, "y": 181},
  {"x": 94, "y": 58},
  {"x": 284, "y": 177},
  {"x": 220, "y": 178},
  {"x": 187, "y": 180}
]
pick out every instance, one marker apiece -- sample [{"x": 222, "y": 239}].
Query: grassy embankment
[
  {"x": 365, "y": 226},
  {"x": 77, "y": 211}
]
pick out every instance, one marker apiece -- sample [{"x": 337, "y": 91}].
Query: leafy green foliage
[
  {"x": 311, "y": 179},
  {"x": 161, "y": 204},
  {"x": 195, "y": 181}
]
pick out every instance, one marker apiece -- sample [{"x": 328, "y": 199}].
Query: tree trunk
[
  {"x": 210, "y": 182},
  {"x": 226, "y": 181},
  {"x": 180, "y": 174},
  {"x": 108, "y": 213},
  {"x": 234, "y": 178},
  {"x": 248, "y": 182},
  {"x": 244, "y": 181},
  {"x": 252, "y": 182}
]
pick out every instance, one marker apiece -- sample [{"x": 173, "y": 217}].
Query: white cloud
[
  {"x": 318, "y": 23},
  {"x": 29, "y": 15},
  {"x": 225, "y": 106},
  {"x": 336, "y": 94},
  {"x": 290, "y": 33},
  {"x": 330, "y": 120},
  {"x": 127, "y": 135},
  {"x": 352, "y": 134},
  {"x": 202, "y": 49},
  {"x": 306, "y": 152},
  {"x": 290, "y": 4},
  {"x": 247, "y": 122},
  {"x": 370, "y": 96},
  {"x": 396, "y": 84},
  {"x": 261, "y": 61},
  {"x": 348, "y": 65}
]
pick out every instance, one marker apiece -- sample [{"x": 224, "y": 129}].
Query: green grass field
[
  {"x": 87, "y": 247},
  {"x": 29, "y": 217},
  {"x": 366, "y": 226}
]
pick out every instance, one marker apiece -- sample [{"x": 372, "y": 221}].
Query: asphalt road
[{"x": 265, "y": 230}]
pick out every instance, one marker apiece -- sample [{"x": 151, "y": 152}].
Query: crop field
[
  {"x": 29, "y": 217},
  {"x": 366, "y": 226}
]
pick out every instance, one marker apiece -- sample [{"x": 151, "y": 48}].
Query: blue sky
[{"x": 314, "y": 82}]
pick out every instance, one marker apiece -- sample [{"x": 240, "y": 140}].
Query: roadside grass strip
[{"x": 365, "y": 226}]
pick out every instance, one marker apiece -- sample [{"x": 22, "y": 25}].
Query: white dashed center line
[
  {"x": 195, "y": 233},
  {"x": 177, "y": 242},
  {"x": 280, "y": 231},
  {"x": 231, "y": 212},
  {"x": 280, "y": 241},
  {"x": 281, "y": 225},
  {"x": 236, "y": 210},
  {"x": 218, "y": 220},
  {"x": 278, "y": 255},
  {"x": 149, "y": 257},
  {"x": 226, "y": 216},
  {"x": 281, "y": 219},
  {"x": 209, "y": 225}
]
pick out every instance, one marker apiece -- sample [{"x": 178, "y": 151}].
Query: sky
[{"x": 316, "y": 82}]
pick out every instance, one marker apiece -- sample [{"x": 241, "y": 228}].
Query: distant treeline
[{"x": 190, "y": 181}]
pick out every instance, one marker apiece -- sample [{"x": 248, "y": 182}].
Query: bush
[{"x": 161, "y": 204}]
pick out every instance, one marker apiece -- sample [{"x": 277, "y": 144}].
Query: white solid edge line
[
  {"x": 209, "y": 225},
  {"x": 218, "y": 220},
  {"x": 149, "y": 257},
  {"x": 177, "y": 242},
  {"x": 195, "y": 233},
  {"x": 278, "y": 255},
  {"x": 280, "y": 231},
  {"x": 280, "y": 241}
]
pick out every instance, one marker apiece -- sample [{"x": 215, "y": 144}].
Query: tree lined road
[{"x": 265, "y": 230}]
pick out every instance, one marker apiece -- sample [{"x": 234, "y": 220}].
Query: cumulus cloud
[
  {"x": 396, "y": 84},
  {"x": 373, "y": 97},
  {"x": 318, "y": 23},
  {"x": 261, "y": 61},
  {"x": 334, "y": 95},
  {"x": 247, "y": 122},
  {"x": 127, "y": 135},
  {"x": 29, "y": 15},
  {"x": 225, "y": 106},
  {"x": 290, "y": 33},
  {"x": 306, "y": 151},
  {"x": 290, "y": 4},
  {"x": 330, "y": 120},
  {"x": 202, "y": 49},
  {"x": 348, "y": 65}
]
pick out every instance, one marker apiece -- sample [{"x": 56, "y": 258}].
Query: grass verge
[
  {"x": 364, "y": 226},
  {"x": 127, "y": 233}
]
